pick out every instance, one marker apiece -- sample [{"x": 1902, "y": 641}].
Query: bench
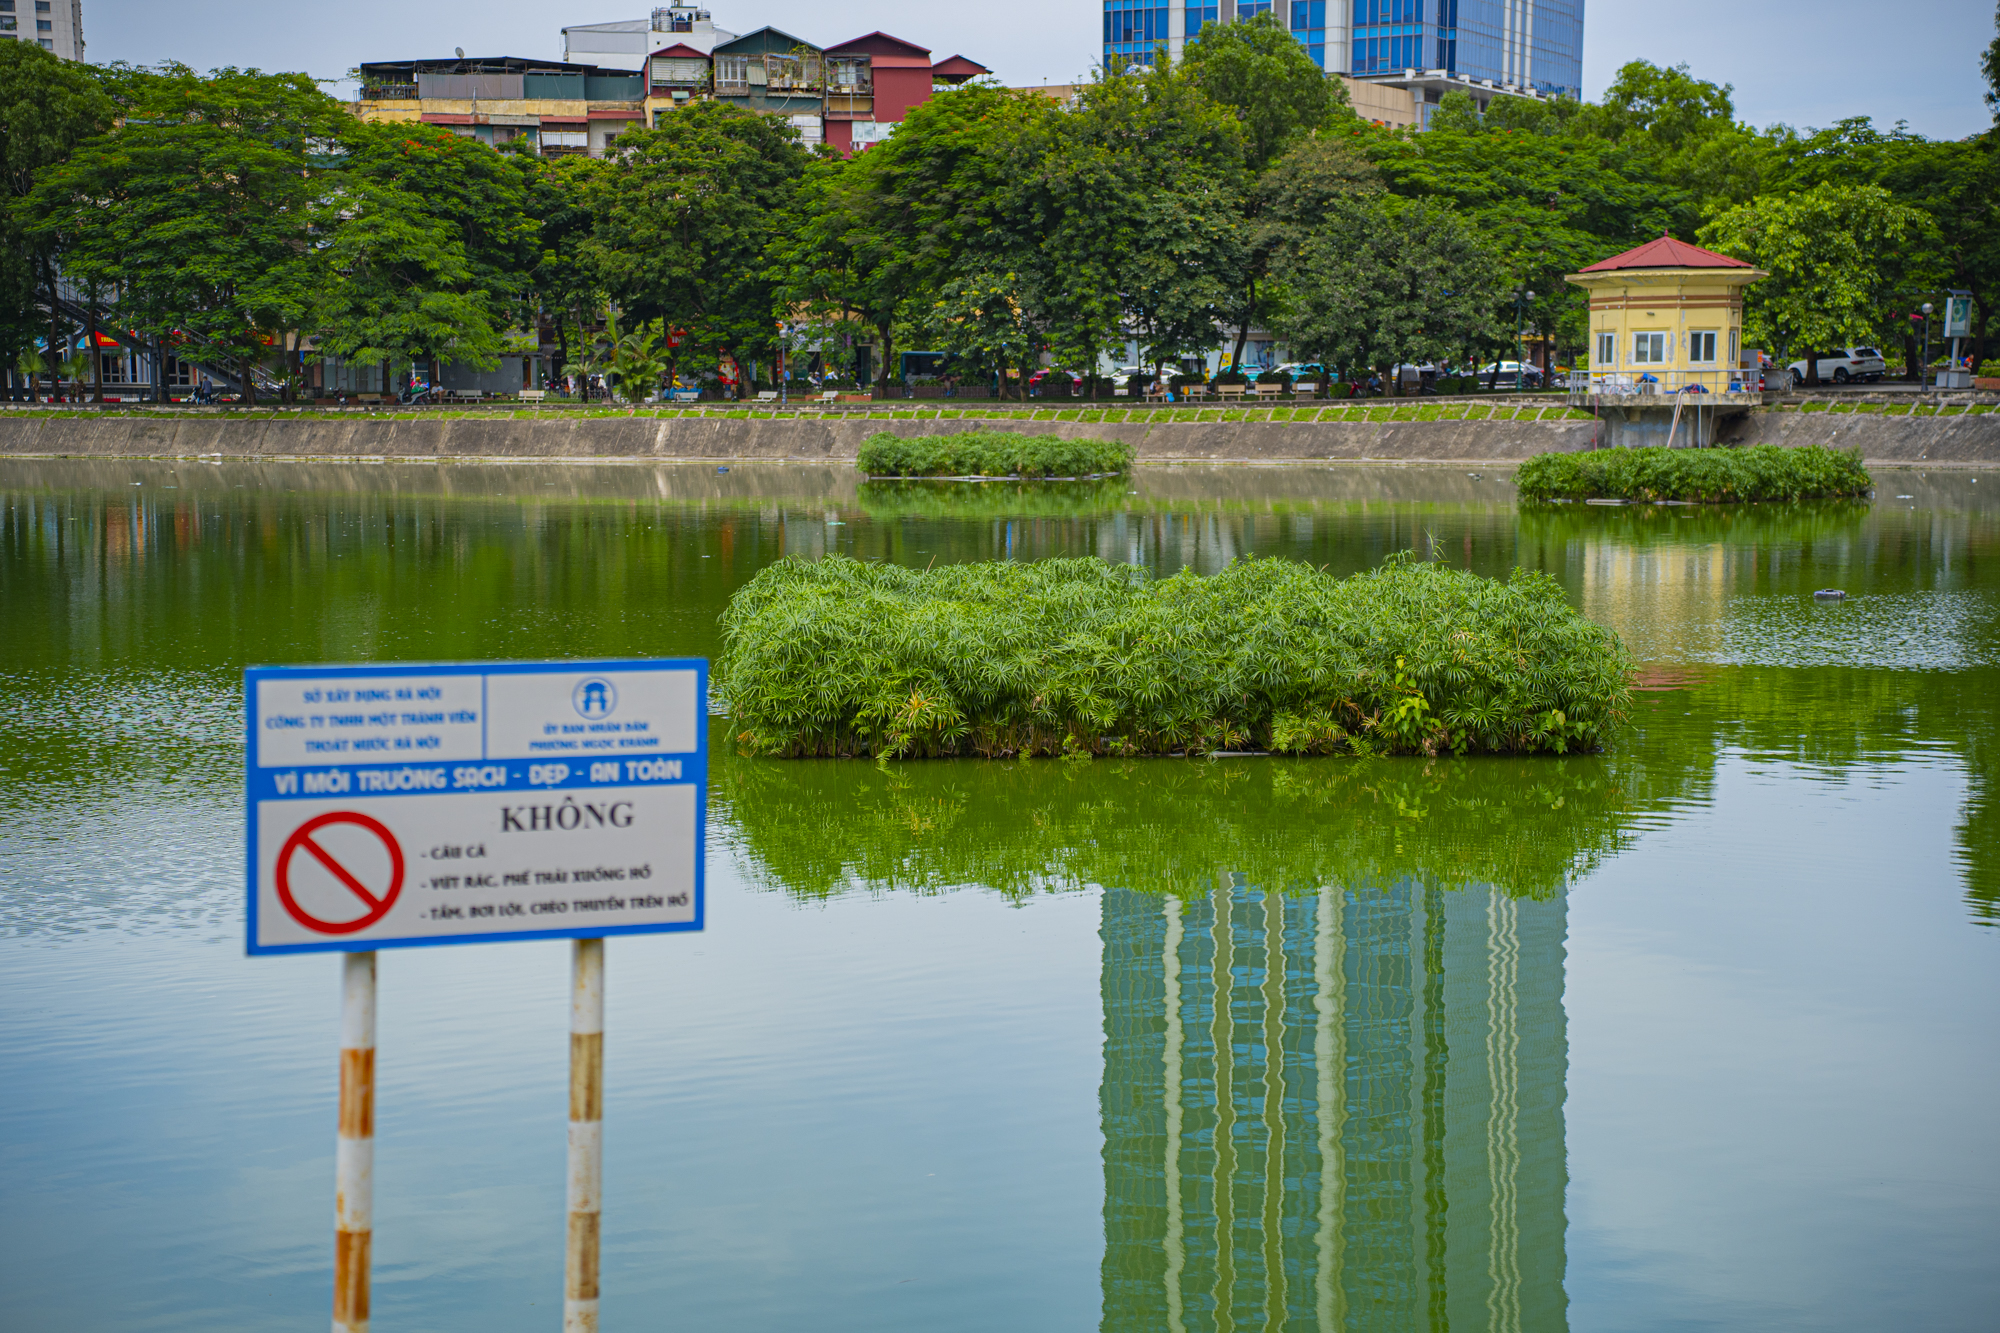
[
  {"x": 533, "y": 395},
  {"x": 1229, "y": 391},
  {"x": 1269, "y": 390},
  {"x": 767, "y": 395}
]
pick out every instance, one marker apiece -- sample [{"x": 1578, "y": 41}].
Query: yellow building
[{"x": 1666, "y": 318}]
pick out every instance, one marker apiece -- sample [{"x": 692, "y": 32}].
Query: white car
[{"x": 1844, "y": 364}]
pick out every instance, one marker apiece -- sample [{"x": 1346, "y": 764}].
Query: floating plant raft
[
  {"x": 838, "y": 657},
  {"x": 1759, "y": 472},
  {"x": 991, "y": 453}
]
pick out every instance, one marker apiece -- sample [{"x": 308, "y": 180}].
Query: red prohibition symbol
[{"x": 302, "y": 840}]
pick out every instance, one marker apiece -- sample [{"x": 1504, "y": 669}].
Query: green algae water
[{"x": 1696, "y": 1032}]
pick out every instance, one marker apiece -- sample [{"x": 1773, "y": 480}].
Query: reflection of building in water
[
  {"x": 1667, "y": 600},
  {"x": 1379, "y": 1143}
]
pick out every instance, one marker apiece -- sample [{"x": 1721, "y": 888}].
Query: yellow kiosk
[{"x": 1666, "y": 343}]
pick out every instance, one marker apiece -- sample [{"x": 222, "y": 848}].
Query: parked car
[
  {"x": 1040, "y": 377},
  {"x": 1308, "y": 370},
  {"x": 1844, "y": 364},
  {"x": 1502, "y": 373}
]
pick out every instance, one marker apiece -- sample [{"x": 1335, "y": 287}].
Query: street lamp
[
  {"x": 1521, "y": 299},
  {"x": 1924, "y": 366}
]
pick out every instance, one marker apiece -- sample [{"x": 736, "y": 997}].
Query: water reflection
[{"x": 1333, "y": 1111}]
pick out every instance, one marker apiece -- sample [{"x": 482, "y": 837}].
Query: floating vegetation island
[
  {"x": 991, "y": 453},
  {"x": 841, "y": 658},
  {"x": 1760, "y": 472}
]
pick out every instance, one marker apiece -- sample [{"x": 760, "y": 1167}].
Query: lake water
[{"x": 1697, "y": 1033}]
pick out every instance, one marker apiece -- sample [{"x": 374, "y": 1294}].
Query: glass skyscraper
[
  {"x": 1336, "y": 1112},
  {"x": 1531, "y": 44}
]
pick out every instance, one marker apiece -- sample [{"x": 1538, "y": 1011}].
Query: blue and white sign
[{"x": 399, "y": 805}]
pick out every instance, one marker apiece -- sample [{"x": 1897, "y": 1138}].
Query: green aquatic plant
[
  {"x": 990, "y": 453},
  {"x": 990, "y": 499},
  {"x": 838, "y": 657},
  {"x": 1759, "y": 472},
  {"x": 818, "y": 829}
]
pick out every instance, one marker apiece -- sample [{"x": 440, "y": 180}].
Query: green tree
[
  {"x": 1131, "y": 214},
  {"x": 687, "y": 218},
  {"x": 1956, "y": 182},
  {"x": 47, "y": 107},
  {"x": 1685, "y": 130},
  {"x": 1384, "y": 282},
  {"x": 1831, "y": 253},
  {"x": 199, "y": 209},
  {"x": 1546, "y": 204},
  {"x": 1264, "y": 76},
  {"x": 1989, "y": 65},
  {"x": 878, "y": 238},
  {"x": 428, "y": 248}
]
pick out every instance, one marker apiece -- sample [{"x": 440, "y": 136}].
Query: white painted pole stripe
[
  {"x": 586, "y": 1135},
  {"x": 354, "y": 1149}
]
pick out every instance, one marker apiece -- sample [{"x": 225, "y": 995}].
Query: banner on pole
[{"x": 401, "y": 805}]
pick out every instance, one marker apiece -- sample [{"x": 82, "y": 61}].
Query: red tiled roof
[
  {"x": 681, "y": 51},
  {"x": 1666, "y": 252}
]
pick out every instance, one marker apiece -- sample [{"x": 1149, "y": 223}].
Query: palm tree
[
  {"x": 30, "y": 364},
  {"x": 637, "y": 361}
]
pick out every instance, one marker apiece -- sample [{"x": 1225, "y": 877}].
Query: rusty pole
[
  {"x": 354, "y": 1151},
  {"x": 586, "y": 1135}
]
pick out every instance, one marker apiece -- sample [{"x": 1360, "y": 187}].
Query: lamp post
[
  {"x": 1521, "y": 298},
  {"x": 1924, "y": 366}
]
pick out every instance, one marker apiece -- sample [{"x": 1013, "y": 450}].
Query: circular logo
[
  {"x": 375, "y": 905},
  {"x": 595, "y": 697}
]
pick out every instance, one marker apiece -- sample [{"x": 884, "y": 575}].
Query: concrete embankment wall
[{"x": 812, "y": 438}]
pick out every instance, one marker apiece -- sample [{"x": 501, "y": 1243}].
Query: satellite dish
[{"x": 460, "y": 50}]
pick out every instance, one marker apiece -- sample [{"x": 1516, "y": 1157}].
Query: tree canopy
[{"x": 247, "y": 217}]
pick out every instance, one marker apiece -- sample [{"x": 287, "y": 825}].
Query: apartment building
[
  {"x": 848, "y": 96},
  {"x": 53, "y": 25},
  {"x": 565, "y": 109}
]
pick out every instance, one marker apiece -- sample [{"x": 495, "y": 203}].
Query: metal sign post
[
  {"x": 354, "y": 1148},
  {"x": 586, "y": 1135},
  {"x": 401, "y": 806}
]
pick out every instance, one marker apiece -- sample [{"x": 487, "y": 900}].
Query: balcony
[
  {"x": 850, "y": 105},
  {"x": 1647, "y": 387}
]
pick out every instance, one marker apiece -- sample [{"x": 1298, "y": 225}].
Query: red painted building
[{"x": 872, "y": 82}]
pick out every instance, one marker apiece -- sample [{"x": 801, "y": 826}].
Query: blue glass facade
[
  {"x": 1338, "y": 1110},
  {"x": 1532, "y": 43},
  {"x": 1132, "y": 28}
]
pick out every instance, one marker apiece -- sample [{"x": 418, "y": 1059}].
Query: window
[
  {"x": 43, "y": 25},
  {"x": 732, "y": 74},
  {"x": 1701, "y": 347},
  {"x": 7, "y": 22},
  {"x": 1607, "y": 350},
  {"x": 6, "y": 6},
  {"x": 1649, "y": 349},
  {"x": 1735, "y": 352}
]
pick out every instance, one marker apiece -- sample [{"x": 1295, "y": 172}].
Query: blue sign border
[{"x": 251, "y": 792}]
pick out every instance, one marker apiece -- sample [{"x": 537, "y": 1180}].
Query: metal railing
[{"x": 1638, "y": 386}]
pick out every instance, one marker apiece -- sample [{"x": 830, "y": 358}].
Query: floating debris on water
[{"x": 1829, "y": 595}]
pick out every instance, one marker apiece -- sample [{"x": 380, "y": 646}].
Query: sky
[{"x": 1915, "y": 60}]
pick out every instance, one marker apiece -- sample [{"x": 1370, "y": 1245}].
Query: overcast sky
[{"x": 1805, "y": 64}]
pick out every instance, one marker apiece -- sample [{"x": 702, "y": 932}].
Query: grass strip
[
  {"x": 1760, "y": 472},
  {"x": 843, "y": 658},
  {"x": 990, "y": 453}
]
